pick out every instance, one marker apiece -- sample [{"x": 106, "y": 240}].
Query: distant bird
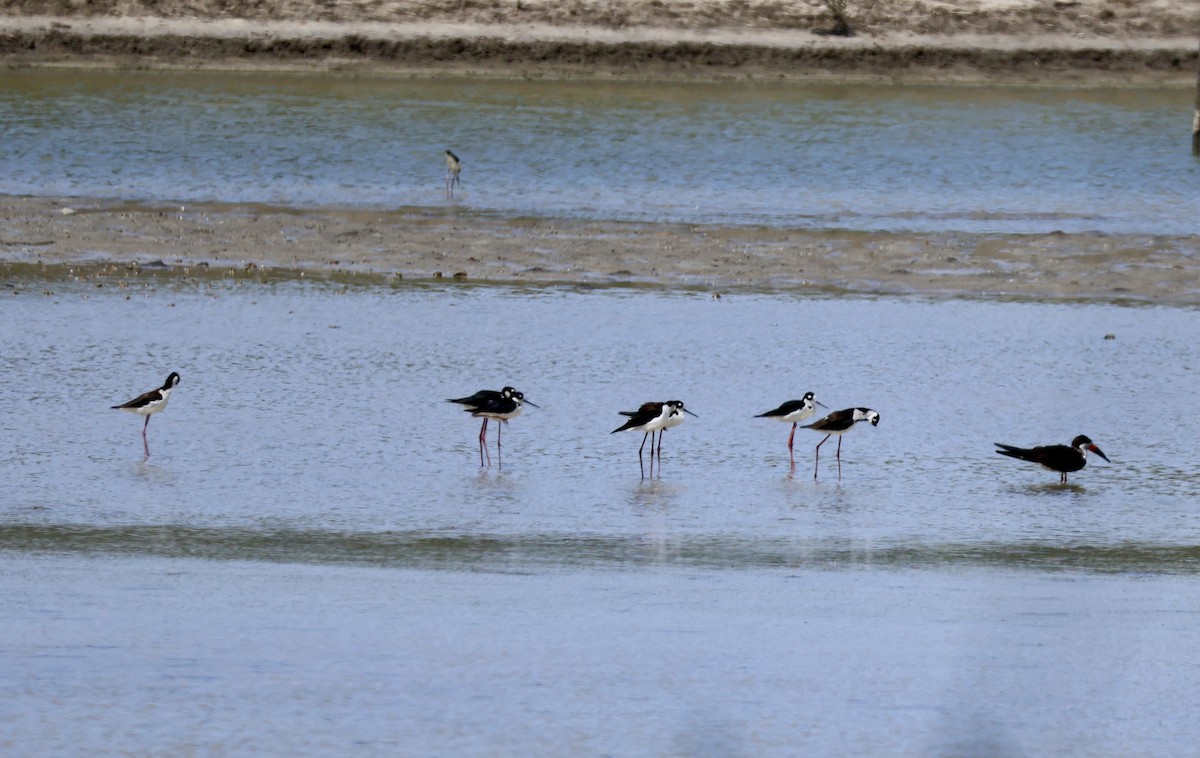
[
  {"x": 1061, "y": 458},
  {"x": 650, "y": 418},
  {"x": 453, "y": 171},
  {"x": 839, "y": 422},
  {"x": 501, "y": 405},
  {"x": 794, "y": 411},
  {"x": 149, "y": 403}
]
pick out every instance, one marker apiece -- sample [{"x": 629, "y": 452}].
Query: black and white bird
[
  {"x": 453, "y": 172},
  {"x": 793, "y": 412},
  {"x": 838, "y": 423},
  {"x": 674, "y": 419},
  {"x": 651, "y": 418},
  {"x": 149, "y": 403},
  {"x": 483, "y": 397},
  {"x": 501, "y": 405},
  {"x": 1061, "y": 458}
]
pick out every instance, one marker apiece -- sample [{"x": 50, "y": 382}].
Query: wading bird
[
  {"x": 651, "y": 418},
  {"x": 839, "y": 422},
  {"x": 794, "y": 411},
  {"x": 488, "y": 404},
  {"x": 453, "y": 172},
  {"x": 1061, "y": 458},
  {"x": 149, "y": 403}
]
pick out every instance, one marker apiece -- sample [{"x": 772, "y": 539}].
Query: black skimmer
[
  {"x": 453, "y": 170},
  {"x": 1061, "y": 458},
  {"x": 794, "y": 411},
  {"x": 840, "y": 422},
  {"x": 651, "y": 418},
  {"x": 487, "y": 404},
  {"x": 149, "y": 403}
]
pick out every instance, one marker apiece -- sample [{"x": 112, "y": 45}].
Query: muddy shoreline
[
  {"x": 1068, "y": 42},
  {"x": 104, "y": 238},
  {"x": 488, "y": 57},
  {"x": 641, "y": 60}
]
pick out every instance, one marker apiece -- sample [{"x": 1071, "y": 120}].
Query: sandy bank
[
  {"x": 1067, "y": 41},
  {"x": 457, "y": 244}
]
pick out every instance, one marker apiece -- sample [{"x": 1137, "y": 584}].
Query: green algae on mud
[
  {"x": 433, "y": 550},
  {"x": 132, "y": 275}
]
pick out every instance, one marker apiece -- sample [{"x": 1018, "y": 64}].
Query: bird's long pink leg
[
  {"x": 483, "y": 444},
  {"x": 661, "y": 432},
  {"x": 818, "y": 455},
  {"x": 145, "y": 444},
  {"x": 791, "y": 437}
]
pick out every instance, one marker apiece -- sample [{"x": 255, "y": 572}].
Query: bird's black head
[
  {"x": 677, "y": 406},
  {"x": 1083, "y": 443},
  {"x": 520, "y": 398},
  {"x": 172, "y": 380}
]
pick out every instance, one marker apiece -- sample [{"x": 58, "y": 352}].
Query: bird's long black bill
[
  {"x": 685, "y": 410},
  {"x": 527, "y": 402},
  {"x": 1098, "y": 452}
]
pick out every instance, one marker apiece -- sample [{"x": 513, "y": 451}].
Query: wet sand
[{"x": 60, "y": 235}]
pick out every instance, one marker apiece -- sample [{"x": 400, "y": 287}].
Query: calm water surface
[
  {"x": 313, "y": 562},
  {"x": 856, "y": 157}
]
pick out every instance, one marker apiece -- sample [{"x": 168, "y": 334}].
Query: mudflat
[{"x": 87, "y": 237}]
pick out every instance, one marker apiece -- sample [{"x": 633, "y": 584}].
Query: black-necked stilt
[
  {"x": 453, "y": 171},
  {"x": 674, "y": 419},
  {"x": 483, "y": 397},
  {"x": 1061, "y": 458},
  {"x": 488, "y": 404},
  {"x": 149, "y": 403},
  {"x": 839, "y": 422},
  {"x": 794, "y": 411},
  {"x": 651, "y": 418}
]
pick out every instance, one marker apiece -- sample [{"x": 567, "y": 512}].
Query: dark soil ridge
[
  {"x": 1114, "y": 19},
  {"x": 503, "y": 56}
]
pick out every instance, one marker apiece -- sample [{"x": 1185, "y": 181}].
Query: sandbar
[{"x": 106, "y": 238}]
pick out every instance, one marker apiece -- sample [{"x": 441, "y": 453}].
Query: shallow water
[
  {"x": 313, "y": 534},
  {"x": 1007, "y": 160},
  {"x": 137, "y": 656}
]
